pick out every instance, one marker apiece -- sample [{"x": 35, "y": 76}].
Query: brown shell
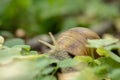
[{"x": 74, "y": 40}]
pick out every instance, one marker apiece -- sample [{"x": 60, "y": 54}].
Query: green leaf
[
  {"x": 114, "y": 56},
  {"x": 115, "y": 75},
  {"x": 111, "y": 63},
  {"x": 108, "y": 53},
  {"x": 103, "y": 52},
  {"x": 101, "y": 70},
  {"x": 25, "y": 47},
  {"x": 83, "y": 59},
  {"x": 67, "y": 63},
  {"x": 26, "y": 68},
  {"x": 21, "y": 70},
  {"x": 13, "y": 42},
  {"x": 101, "y": 42},
  {"x": 47, "y": 70},
  {"x": 48, "y": 78},
  {"x": 88, "y": 74},
  {"x": 33, "y": 52},
  {"x": 8, "y": 54},
  {"x": 114, "y": 46}
]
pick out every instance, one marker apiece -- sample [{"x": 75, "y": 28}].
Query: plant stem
[
  {"x": 93, "y": 56},
  {"x": 92, "y": 53},
  {"x": 55, "y": 70}
]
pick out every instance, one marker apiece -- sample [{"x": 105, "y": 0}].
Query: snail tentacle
[{"x": 47, "y": 44}]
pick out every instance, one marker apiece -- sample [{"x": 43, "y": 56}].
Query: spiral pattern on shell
[{"x": 74, "y": 41}]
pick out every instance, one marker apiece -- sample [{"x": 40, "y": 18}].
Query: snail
[{"x": 71, "y": 42}]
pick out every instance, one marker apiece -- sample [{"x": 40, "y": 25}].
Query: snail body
[{"x": 72, "y": 41}]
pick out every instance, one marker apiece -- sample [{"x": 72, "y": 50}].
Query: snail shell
[{"x": 74, "y": 41}]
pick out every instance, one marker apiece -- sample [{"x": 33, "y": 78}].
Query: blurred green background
[{"x": 35, "y": 17}]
